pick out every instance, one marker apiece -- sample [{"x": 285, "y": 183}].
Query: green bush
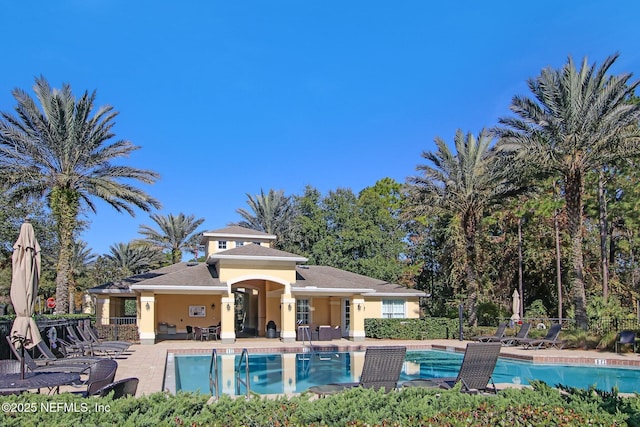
[
  {"x": 411, "y": 329},
  {"x": 539, "y": 406}
]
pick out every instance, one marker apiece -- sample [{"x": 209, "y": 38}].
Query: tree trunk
[
  {"x": 470, "y": 229},
  {"x": 558, "y": 263},
  {"x": 604, "y": 253},
  {"x": 573, "y": 193},
  {"x": 64, "y": 205}
]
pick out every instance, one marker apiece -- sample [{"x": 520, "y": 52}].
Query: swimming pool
[{"x": 295, "y": 372}]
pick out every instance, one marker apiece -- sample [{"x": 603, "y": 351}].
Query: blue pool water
[{"x": 295, "y": 373}]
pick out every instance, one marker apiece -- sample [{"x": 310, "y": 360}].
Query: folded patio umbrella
[{"x": 24, "y": 288}]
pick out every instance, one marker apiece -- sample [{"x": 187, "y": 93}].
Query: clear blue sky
[{"x": 228, "y": 97}]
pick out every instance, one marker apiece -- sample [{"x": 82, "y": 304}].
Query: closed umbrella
[
  {"x": 24, "y": 289},
  {"x": 516, "y": 306}
]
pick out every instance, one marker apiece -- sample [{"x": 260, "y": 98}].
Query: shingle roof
[
  {"x": 323, "y": 277},
  {"x": 256, "y": 251},
  {"x": 237, "y": 230}
]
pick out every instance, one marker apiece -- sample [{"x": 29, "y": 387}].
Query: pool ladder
[
  {"x": 213, "y": 374},
  {"x": 244, "y": 356}
]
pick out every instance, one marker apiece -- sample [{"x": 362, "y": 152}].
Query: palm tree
[
  {"x": 81, "y": 259},
  {"x": 129, "y": 259},
  {"x": 62, "y": 151},
  {"x": 176, "y": 234},
  {"x": 461, "y": 187},
  {"x": 273, "y": 213},
  {"x": 578, "y": 121}
]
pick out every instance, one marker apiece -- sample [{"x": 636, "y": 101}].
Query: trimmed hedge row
[
  {"x": 411, "y": 329},
  {"x": 540, "y": 406}
]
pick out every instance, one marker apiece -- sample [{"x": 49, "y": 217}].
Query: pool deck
[{"x": 147, "y": 362}]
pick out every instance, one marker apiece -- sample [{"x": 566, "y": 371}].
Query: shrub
[
  {"x": 411, "y": 329},
  {"x": 538, "y": 406}
]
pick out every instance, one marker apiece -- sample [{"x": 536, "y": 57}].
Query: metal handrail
[
  {"x": 243, "y": 356},
  {"x": 213, "y": 374}
]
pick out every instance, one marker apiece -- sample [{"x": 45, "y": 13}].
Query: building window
[
  {"x": 302, "y": 311},
  {"x": 222, "y": 244},
  {"x": 239, "y": 244},
  {"x": 393, "y": 308}
]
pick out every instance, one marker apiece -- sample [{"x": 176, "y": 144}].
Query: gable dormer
[{"x": 232, "y": 237}]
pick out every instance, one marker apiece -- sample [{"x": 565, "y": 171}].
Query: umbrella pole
[{"x": 22, "y": 362}]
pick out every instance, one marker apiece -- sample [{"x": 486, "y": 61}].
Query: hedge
[
  {"x": 539, "y": 406},
  {"x": 411, "y": 329}
]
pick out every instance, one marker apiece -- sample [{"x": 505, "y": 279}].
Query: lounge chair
[
  {"x": 502, "y": 328},
  {"x": 93, "y": 348},
  {"x": 47, "y": 357},
  {"x": 120, "y": 388},
  {"x": 381, "y": 369},
  {"x": 89, "y": 334},
  {"x": 521, "y": 335},
  {"x": 31, "y": 365},
  {"x": 550, "y": 340},
  {"x": 626, "y": 338},
  {"x": 475, "y": 373}
]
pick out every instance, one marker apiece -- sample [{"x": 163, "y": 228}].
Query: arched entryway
[{"x": 257, "y": 301}]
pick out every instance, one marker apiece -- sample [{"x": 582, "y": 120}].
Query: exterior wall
[
  {"x": 146, "y": 325},
  {"x": 230, "y": 270},
  {"x": 212, "y": 245},
  {"x": 321, "y": 311},
  {"x": 174, "y": 309},
  {"x": 373, "y": 307}
]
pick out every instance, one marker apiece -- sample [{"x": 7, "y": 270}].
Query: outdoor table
[{"x": 11, "y": 383}]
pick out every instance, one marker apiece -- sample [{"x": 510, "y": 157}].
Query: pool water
[{"x": 295, "y": 373}]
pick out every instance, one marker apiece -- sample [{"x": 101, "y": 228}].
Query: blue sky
[{"x": 230, "y": 97}]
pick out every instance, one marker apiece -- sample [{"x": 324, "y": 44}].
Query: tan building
[{"x": 243, "y": 285}]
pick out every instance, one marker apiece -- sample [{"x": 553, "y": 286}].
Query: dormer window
[
  {"x": 239, "y": 243},
  {"x": 222, "y": 244}
]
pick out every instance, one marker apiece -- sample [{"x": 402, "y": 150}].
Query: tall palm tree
[
  {"x": 176, "y": 234},
  {"x": 62, "y": 150},
  {"x": 273, "y": 213},
  {"x": 577, "y": 121},
  {"x": 461, "y": 187}
]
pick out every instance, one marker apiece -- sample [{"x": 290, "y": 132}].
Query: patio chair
[
  {"x": 381, "y": 369},
  {"x": 101, "y": 374},
  {"x": 550, "y": 340},
  {"x": 190, "y": 335},
  {"x": 502, "y": 328},
  {"x": 475, "y": 373},
  {"x": 120, "y": 388},
  {"x": 197, "y": 333},
  {"x": 521, "y": 335},
  {"x": 626, "y": 338}
]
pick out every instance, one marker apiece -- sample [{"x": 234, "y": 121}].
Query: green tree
[
  {"x": 271, "y": 213},
  {"x": 127, "y": 259},
  {"x": 461, "y": 187},
  {"x": 176, "y": 234},
  {"x": 81, "y": 261},
  {"x": 578, "y": 121},
  {"x": 62, "y": 150}
]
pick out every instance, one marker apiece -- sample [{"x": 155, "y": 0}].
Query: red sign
[{"x": 51, "y": 302}]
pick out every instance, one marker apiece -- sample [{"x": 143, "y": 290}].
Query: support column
[
  {"x": 288, "y": 318},
  {"x": 147, "y": 322},
  {"x": 103, "y": 306},
  {"x": 356, "y": 331},
  {"x": 228, "y": 320}
]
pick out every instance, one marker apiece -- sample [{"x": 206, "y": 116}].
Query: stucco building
[{"x": 243, "y": 285}]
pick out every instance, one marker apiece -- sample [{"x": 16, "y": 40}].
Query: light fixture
[
  {"x": 147, "y": 306},
  {"x": 359, "y": 306},
  {"x": 228, "y": 307},
  {"x": 213, "y": 306},
  {"x": 289, "y": 306}
]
